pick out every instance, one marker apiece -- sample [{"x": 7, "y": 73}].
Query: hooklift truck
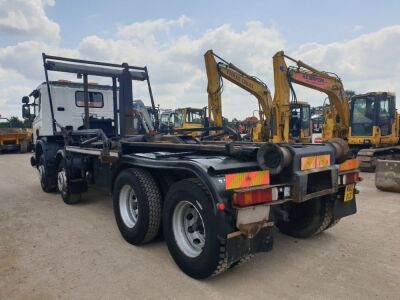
[{"x": 216, "y": 202}]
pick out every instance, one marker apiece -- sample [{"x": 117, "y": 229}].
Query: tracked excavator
[{"x": 369, "y": 122}]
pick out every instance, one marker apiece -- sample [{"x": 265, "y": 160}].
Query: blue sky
[
  {"x": 300, "y": 21},
  {"x": 358, "y": 40}
]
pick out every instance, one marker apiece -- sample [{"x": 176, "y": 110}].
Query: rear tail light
[
  {"x": 253, "y": 197},
  {"x": 351, "y": 178}
]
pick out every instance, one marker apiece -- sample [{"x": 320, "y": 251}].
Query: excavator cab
[
  {"x": 373, "y": 119},
  {"x": 300, "y": 122},
  {"x": 190, "y": 120}
]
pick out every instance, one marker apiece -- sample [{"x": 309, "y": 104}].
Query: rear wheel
[
  {"x": 308, "y": 218},
  {"x": 45, "y": 180},
  {"x": 63, "y": 180},
  {"x": 190, "y": 230},
  {"x": 137, "y": 205}
]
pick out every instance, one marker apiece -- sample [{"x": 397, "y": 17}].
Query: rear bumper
[{"x": 314, "y": 183}]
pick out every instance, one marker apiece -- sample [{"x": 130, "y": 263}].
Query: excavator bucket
[{"x": 387, "y": 176}]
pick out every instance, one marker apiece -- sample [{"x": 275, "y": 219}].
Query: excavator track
[{"x": 368, "y": 157}]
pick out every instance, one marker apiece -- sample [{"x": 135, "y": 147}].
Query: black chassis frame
[{"x": 91, "y": 150}]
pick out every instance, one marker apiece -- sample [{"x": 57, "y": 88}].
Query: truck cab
[{"x": 68, "y": 113}]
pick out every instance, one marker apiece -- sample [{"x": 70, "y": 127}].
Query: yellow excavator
[
  {"x": 223, "y": 69},
  {"x": 368, "y": 122},
  {"x": 187, "y": 120},
  {"x": 280, "y": 120},
  {"x": 292, "y": 118},
  {"x": 337, "y": 120},
  {"x": 374, "y": 129}
]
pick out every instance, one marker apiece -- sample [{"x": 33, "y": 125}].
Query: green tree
[
  {"x": 12, "y": 122},
  {"x": 350, "y": 93}
]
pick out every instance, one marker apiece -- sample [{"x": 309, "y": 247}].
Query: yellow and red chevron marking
[
  {"x": 349, "y": 164},
  {"x": 323, "y": 161},
  {"x": 312, "y": 162},
  {"x": 247, "y": 179}
]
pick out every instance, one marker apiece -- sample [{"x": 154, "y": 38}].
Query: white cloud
[
  {"x": 148, "y": 28},
  {"x": 27, "y": 19},
  {"x": 366, "y": 63},
  {"x": 357, "y": 28},
  {"x": 176, "y": 65}
]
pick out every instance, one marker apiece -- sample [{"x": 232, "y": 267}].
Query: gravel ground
[{"x": 50, "y": 250}]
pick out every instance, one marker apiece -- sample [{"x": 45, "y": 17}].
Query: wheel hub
[
  {"x": 128, "y": 206},
  {"x": 62, "y": 180},
  {"x": 41, "y": 172},
  {"x": 188, "y": 228}
]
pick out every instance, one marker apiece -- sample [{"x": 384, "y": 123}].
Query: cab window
[
  {"x": 165, "y": 118},
  {"x": 178, "y": 120},
  {"x": 193, "y": 116},
  {"x": 363, "y": 116},
  {"x": 305, "y": 117},
  {"x": 95, "y": 99}
]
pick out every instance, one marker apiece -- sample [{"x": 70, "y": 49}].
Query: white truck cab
[{"x": 68, "y": 105}]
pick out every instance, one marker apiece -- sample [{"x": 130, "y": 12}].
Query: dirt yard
[{"x": 50, "y": 250}]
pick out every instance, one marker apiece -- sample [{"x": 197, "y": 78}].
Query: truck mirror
[
  {"x": 26, "y": 113},
  {"x": 25, "y": 100}
]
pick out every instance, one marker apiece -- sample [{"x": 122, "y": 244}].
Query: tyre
[
  {"x": 45, "y": 180},
  {"x": 137, "y": 206},
  {"x": 23, "y": 146},
  {"x": 63, "y": 179},
  {"x": 190, "y": 230},
  {"x": 308, "y": 218}
]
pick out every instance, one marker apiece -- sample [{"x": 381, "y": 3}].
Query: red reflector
[
  {"x": 221, "y": 206},
  {"x": 252, "y": 197},
  {"x": 351, "y": 177},
  {"x": 349, "y": 164}
]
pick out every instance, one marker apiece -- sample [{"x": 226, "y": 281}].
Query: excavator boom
[{"x": 222, "y": 69}]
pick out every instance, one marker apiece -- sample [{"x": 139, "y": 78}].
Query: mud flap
[
  {"x": 239, "y": 246},
  {"x": 343, "y": 208},
  {"x": 78, "y": 186},
  {"x": 387, "y": 176}
]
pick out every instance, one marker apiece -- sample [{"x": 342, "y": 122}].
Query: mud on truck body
[{"x": 215, "y": 202}]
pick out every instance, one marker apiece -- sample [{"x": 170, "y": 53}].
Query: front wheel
[
  {"x": 190, "y": 230},
  {"x": 45, "y": 179},
  {"x": 63, "y": 180},
  {"x": 308, "y": 218}
]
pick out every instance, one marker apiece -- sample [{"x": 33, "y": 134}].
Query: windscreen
[
  {"x": 363, "y": 116},
  {"x": 194, "y": 116}
]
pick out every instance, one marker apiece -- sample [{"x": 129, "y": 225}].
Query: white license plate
[{"x": 252, "y": 214}]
